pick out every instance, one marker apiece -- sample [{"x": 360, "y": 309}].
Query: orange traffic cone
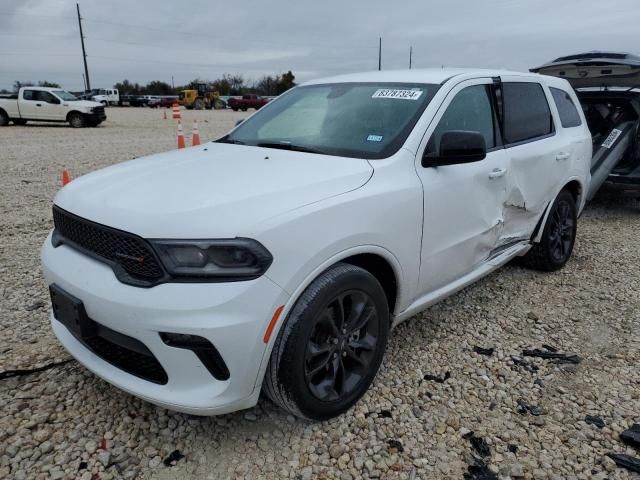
[
  {"x": 164, "y": 114},
  {"x": 195, "y": 134},
  {"x": 176, "y": 111},
  {"x": 180, "y": 135},
  {"x": 65, "y": 177}
]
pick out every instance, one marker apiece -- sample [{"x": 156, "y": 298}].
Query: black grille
[
  {"x": 116, "y": 247},
  {"x": 98, "y": 111},
  {"x": 143, "y": 365}
]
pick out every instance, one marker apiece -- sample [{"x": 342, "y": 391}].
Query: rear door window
[
  {"x": 569, "y": 116},
  {"x": 526, "y": 112}
]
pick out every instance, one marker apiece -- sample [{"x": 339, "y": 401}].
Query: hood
[
  {"x": 211, "y": 191},
  {"x": 83, "y": 103},
  {"x": 595, "y": 69}
]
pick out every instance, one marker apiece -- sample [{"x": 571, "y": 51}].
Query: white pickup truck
[{"x": 45, "y": 104}]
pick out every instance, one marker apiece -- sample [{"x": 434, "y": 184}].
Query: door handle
[
  {"x": 38, "y": 104},
  {"x": 497, "y": 173},
  {"x": 562, "y": 156}
]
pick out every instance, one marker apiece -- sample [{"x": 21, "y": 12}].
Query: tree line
[
  {"x": 18, "y": 84},
  {"x": 226, "y": 85}
]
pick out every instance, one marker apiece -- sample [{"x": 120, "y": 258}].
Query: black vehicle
[{"x": 608, "y": 87}]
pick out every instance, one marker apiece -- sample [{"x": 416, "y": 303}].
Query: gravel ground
[{"x": 527, "y": 414}]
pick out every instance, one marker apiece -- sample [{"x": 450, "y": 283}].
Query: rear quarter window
[
  {"x": 526, "y": 112},
  {"x": 569, "y": 116}
]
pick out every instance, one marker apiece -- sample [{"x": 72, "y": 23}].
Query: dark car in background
[
  {"x": 162, "y": 102},
  {"x": 608, "y": 88}
]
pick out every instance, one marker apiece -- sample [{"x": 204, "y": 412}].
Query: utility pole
[
  {"x": 410, "y": 55},
  {"x": 84, "y": 53},
  {"x": 172, "y": 84},
  {"x": 84, "y": 82},
  {"x": 380, "y": 53}
]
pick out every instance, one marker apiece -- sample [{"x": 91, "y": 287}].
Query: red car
[{"x": 246, "y": 101}]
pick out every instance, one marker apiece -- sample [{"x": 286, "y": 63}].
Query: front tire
[
  {"x": 330, "y": 347},
  {"x": 558, "y": 236},
  {"x": 4, "y": 119},
  {"x": 77, "y": 120}
]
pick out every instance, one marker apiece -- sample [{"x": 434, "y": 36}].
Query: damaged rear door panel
[{"x": 535, "y": 148}]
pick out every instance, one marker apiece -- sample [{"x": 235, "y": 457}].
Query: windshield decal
[
  {"x": 397, "y": 94},
  {"x": 374, "y": 138}
]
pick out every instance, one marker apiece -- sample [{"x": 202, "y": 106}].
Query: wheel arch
[
  {"x": 575, "y": 188},
  {"x": 368, "y": 257},
  {"x": 382, "y": 270},
  {"x": 71, "y": 113}
]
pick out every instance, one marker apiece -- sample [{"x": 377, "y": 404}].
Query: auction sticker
[
  {"x": 374, "y": 138},
  {"x": 611, "y": 139},
  {"x": 397, "y": 94}
]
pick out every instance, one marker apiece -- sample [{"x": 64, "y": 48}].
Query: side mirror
[
  {"x": 457, "y": 146},
  {"x": 55, "y": 101}
]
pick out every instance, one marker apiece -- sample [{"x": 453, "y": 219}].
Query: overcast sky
[{"x": 145, "y": 40}]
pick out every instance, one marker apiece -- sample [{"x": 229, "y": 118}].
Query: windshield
[
  {"x": 66, "y": 96},
  {"x": 362, "y": 120}
]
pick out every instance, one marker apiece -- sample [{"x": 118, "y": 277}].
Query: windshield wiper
[
  {"x": 289, "y": 146},
  {"x": 230, "y": 140}
]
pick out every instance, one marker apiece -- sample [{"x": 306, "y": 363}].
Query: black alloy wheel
[
  {"x": 330, "y": 347},
  {"x": 341, "y": 346},
  {"x": 561, "y": 233}
]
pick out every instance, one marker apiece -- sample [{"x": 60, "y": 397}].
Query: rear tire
[
  {"x": 4, "y": 119},
  {"x": 77, "y": 120},
  {"x": 558, "y": 236},
  {"x": 331, "y": 344}
]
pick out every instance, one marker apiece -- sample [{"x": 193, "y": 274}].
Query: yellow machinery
[{"x": 200, "y": 99}]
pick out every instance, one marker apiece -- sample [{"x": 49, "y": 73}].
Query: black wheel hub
[
  {"x": 341, "y": 346},
  {"x": 561, "y": 231}
]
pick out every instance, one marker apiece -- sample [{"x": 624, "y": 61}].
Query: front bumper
[{"x": 232, "y": 316}]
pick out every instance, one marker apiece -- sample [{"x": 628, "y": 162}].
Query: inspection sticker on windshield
[
  {"x": 398, "y": 94},
  {"x": 611, "y": 139},
  {"x": 374, "y": 138}
]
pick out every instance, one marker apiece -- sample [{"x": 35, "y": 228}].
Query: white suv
[{"x": 279, "y": 257}]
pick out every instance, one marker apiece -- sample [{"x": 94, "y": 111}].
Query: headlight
[{"x": 238, "y": 258}]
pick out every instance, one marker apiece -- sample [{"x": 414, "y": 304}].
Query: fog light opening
[{"x": 204, "y": 350}]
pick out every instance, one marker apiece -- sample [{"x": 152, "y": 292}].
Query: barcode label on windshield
[
  {"x": 611, "y": 139},
  {"x": 398, "y": 94}
]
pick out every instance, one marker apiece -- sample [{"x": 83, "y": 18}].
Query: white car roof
[
  {"x": 46, "y": 89},
  {"x": 425, "y": 75}
]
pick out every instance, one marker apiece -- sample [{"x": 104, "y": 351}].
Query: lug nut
[{"x": 344, "y": 354}]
